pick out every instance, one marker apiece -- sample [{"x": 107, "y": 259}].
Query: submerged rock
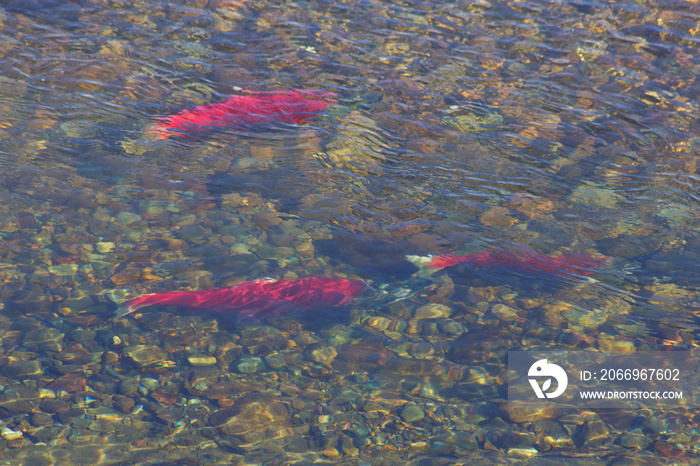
[
  {"x": 255, "y": 413},
  {"x": 44, "y": 339},
  {"x": 250, "y": 364},
  {"x": 433, "y": 311},
  {"x": 144, "y": 355},
  {"x": 412, "y": 413},
  {"x": 24, "y": 370}
]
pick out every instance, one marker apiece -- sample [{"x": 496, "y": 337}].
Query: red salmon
[
  {"x": 572, "y": 264},
  {"x": 246, "y": 110},
  {"x": 258, "y": 298}
]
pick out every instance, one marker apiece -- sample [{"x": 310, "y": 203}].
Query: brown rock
[
  {"x": 125, "y": 404},
  {"x": 54, "y": 406},
  {"x": 22, "y": 370},
  {"x": 403, "y": 230},
  {"x": 261, "y": 413},
  {"x": 163, "y": 398},
  {"x": 265, "y": 220},
  {"x": 128, "y": 276},
  {"x": 666, "y": 450},
  {"x": 71, "y": 415},
  {"x": 68, "y": 383},
  {"x": 520, "y": 413},
  {"x": 41, "y": 420},
  {"x": 552, "y": 313},
  {"x": 498, "y": 217},
  {"x": 144, "y": 355}
]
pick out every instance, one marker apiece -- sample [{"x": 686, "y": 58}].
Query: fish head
[{"x": 352, "y": 288}]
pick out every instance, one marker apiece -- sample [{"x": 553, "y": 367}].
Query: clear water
[{"x": 462, "y": 127}]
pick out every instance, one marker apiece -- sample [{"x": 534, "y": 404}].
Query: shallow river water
[{"x": 550, "y": 146}]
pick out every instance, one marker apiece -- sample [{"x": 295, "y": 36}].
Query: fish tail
[
  {"x": 160, "y": 129},
  {"x": 123, "y": 310},
  {"x": 127, "y": 307}
]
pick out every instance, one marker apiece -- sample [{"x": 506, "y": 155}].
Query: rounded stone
[
  {"x": 250, "y": 364},
  {"x": 331, "y": 453},
  {"x": 149, "y": 383},
  {"x": 198, "y": 361},
  {"x": 24, "y": 370},
  {"x": 275, "y": 361},
  {"x": 44, "y": 339},
  {"x": 433, "y": 311},
  {"x": 422, "y": 350},
  {"x": 83, "y": 335},
  {"x": 505, "y": 313},
  {"x": 124, "y": 403},
  {"x": 104, "y": 247},
  {"x": 144, "y": 355},
  {"x": 63, "y": 270},
  {"x": 451, "y": 328},
  {"x": 655, "y": 425},
  {"x": 378, "y": 323},
  {"x": 129, "y": 387},
  {"x": 253, "y": 415},
  {"x": 55, "y": 406},
  {"x": 9, "y": 434},
  {"x": 635, "y": 439},
  {"x": 324, "y": 355},
  {"x": 412, "y": 413},
  {"x": 41, "y": 420}
]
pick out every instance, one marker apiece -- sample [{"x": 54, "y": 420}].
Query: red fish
[
  {"x": 259, "y": 297},
  {"x": 246, "y": 110},
  {"x": 572, "y": 264}
]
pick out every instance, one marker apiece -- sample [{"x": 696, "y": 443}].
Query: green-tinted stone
[
  {"x": 433, "y": 311},
  {"x": 201, "y": 360},
  {"x": 250, "y": 364},
  {"x": 144, "y": 355},
  {"x": 412, "y": 413},
  {"x": 635, "y": 439},
  {"x": 275, "y": 360}
]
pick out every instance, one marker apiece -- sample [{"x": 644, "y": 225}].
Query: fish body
[
  {"x": 246, "y": 110},
  {"x": 260, "y": 298},
  {"x": 571, "y": 264}
]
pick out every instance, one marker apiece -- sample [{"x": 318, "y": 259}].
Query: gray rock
[
  {"x": 635, "y": 439},
  {"x": 24, "y": 370},
  {"x": 442, "y": 448},
  {"x": 149, "y": 383},
  {"x": 41, "y": 420},
  {"x": 44, "y": 339},
  {"x": 655, "y": 425},
  {"x": 422, "y": 350},
  {"x": 83, "y": 335},
  {"x": 348, "y": 447},
  {"x": 516, "y": 440},
  {"x": 451, "y": 327},
  {"x": 249, "y": 364},
  {"x": 46, "y": 434},
  {"x": 54, "y": 406},
  {"x": 275, "y": 361},
  {"x": 412, "y": 413},
  {"x": 129, "y": 387}
]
